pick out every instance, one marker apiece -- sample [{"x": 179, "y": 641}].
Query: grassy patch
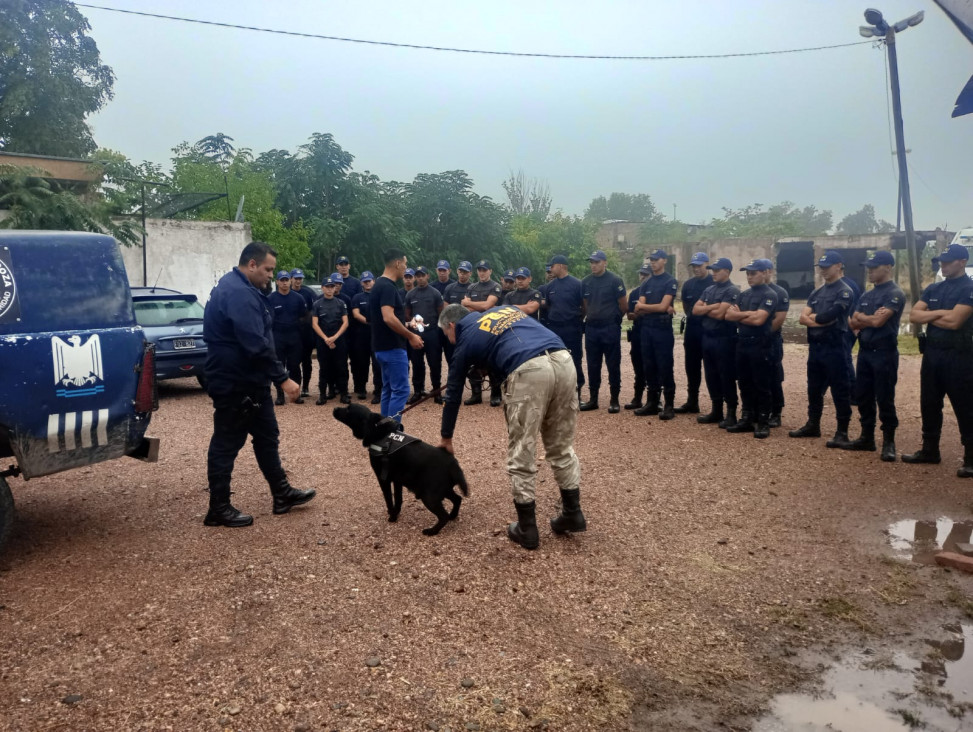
[
  {"x": 960, "y": 600},
  {"x": 901, "y": 584},
  {"x": 840, "y": 608},
  {"x": 911, "y": 718},
  {"x": 908, "y": 345}
]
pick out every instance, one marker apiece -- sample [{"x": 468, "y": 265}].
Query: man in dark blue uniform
[
  {"x": 692, "y": 339},
  {"x": 307, "y": 334},
  {"x": 241, "y": 363},
  {"x": 425, "y": 302},
  {"x": 849, "y": 336},
  {"x": 605, "y": 305},
  {"x": 564, "y": 307},
  {"x": 329, "y": 318},
  {"x": 508, "y": 283},
  {"x": 753, "y": 313},
  {"x": 656, "y": 297},
  {"x": 876, "y": 323},
  {"x": 635, "y": 340},
  {"x": 719, "y": 345},
  {"x": 945, "y": 308},
  {"x": 826, "y": 318},
  {"x": 455, "y": 294},
  {"x": 290, "y": 312},
  {"x": 359, "y": 312},
  {"x": 525, "y": 297},
  {"x": 539, "y": 380},
  {"x": 481, "y": 296},
  {"x": 780, "y": 315},
  {"x": 350, "y": 286},
  {"x": 443, "y": 279}
]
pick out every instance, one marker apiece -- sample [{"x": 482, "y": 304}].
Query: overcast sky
[{"x": 812, "y": 128}]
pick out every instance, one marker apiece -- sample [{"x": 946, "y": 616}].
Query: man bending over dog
[{"x": 540, "y": 395}]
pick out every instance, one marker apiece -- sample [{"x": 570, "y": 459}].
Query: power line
[{"x": 414, "y": 46}]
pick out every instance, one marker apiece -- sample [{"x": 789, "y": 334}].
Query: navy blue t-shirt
[
  {"x": 719, "y": 292},
  {"x": 830, "y": 304},
  {"x": 601, "y": 297},
  {"x": 425, "y": 301},
  {"x": 385, "y": 293},
  {"x": 946, "y": 295},
  {"x": 287, "y": 310},
  {"x": 499, "y": 339},
  {"x": 691, "y": 290},
  {"x": 350, "y": 286},
  {"x": 760, "y": 297},
  {"x": 329, "y": 312},
  {"x": 522, "y": 297},
  {"x": 456, "y": 292},
  {"x": 886, "y": 295},
  {"x": 441, "y": 286},
  {"x": 654, "y": 290},
  {"x": 563, "y": 296},
  {"x": 360, "y": 301}
]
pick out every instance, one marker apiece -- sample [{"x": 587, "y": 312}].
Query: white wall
[{"x": 189, "y": 256}]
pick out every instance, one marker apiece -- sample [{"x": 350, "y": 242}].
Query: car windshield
[{"x": 166, "y": 312}]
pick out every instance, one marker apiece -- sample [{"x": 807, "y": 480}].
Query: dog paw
[{"x": 432, "y": 531}]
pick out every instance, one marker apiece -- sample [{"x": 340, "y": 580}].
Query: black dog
[{"x": 401, "y": 460}]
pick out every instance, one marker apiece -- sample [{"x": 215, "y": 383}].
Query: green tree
[
  {"x": 572, "y": 236},
  {"x": 623, "y": 207},
  {"x": 528, "y": 196},
  {"x": 863, "y": 221},
  {"x": 782, "y": 219},
  {"x": 122, "y": 187},
  {"x": 35, "y": 202},
  {"x": 51, "y": 78}
]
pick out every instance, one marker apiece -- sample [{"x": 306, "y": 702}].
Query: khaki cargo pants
[{"x": 541, "y": 395}]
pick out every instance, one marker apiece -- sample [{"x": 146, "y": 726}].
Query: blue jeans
[{"x": 395, "y": 381}]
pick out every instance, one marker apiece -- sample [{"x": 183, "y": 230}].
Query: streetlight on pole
[{"x": 878, "y": 28}]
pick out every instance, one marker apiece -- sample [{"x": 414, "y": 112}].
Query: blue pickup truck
[{"x": 77, "y": 378}]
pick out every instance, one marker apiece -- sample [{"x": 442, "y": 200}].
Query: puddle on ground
[
  {"x": 919, "y": 541},
  {"x": 878, "y": 692}
]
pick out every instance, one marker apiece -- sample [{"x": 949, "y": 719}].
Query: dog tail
[{"x": 459, "y": 479}]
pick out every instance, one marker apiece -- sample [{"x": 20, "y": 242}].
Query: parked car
[
  {"x": 965, "y": 238},
  {"x": 173, "y": 321}
]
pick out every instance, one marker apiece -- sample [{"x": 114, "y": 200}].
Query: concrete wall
[{"x": 189, "y": 256}]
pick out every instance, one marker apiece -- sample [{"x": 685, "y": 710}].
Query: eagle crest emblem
[{"x": 78, "y": 369}]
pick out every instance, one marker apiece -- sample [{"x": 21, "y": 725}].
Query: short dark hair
[
  {"x": 257, "y": 251},
  {"x": 392, "y": 255}
]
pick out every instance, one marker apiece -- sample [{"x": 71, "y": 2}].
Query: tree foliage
[
  {"x": 863, "y": 221},
  {"x": 51, "y": 78},
  {"x": 782, "y": 219},
  {"x": 623, "y": 207},
  {"x": 527, "y": 196},
  {"x": 572, "y": 236}
]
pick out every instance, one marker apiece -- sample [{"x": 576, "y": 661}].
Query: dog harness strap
[{"x": 385, "y": 447}]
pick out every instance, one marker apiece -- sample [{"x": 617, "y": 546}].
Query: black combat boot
[
  {"x": 690, "y": 407},
  {"x": 864, "y": 443},
  {"x": 416, "y": 396},
  {"x": 928, "y": 453},
  {"x": 476, "y": 397},
  {"x": 286, "y": 497},
  {"x": 667, "y": 411},
  {"x": 592, "y": 403},
  {"x": 322, "y": 398},
  {"x": 744, "y": 425},
  {"x": 774, "y": 420},
  {"x": 222, "y": 513},
  {"x": 438, "y": 399},
  {"x": 636, "y": 402},
  {"x": 524, "y": 529},
  {"x": 613, "y": 406},
  {"x": 967, "y": 470},
  {"x": 715, "y": 415},
  {"x": 571, "y": 518},
  {"x": 345, "y": 398},
  {"x": 651, "y": 404},
  {"x": 496, "y": 396},
  {"x": 731, "y": 419},
  {"x": 762, "y": 429},
  {"x": 811, "y": 428},
  {"x": 376, "y": 396},
  {"x": 306, "y": 389},
  {"x": 280, "y": 401},
  {"x": 299, "y": 400},
  {"x": 840, "y": 439},
  {"x": 888, "y": 446}
]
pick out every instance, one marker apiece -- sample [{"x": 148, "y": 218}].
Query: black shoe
[
  {"x": 305, "y": 392},
  {"x": 345, "y": 399},
  {"x": 690, "y": 407},
  {"x": 286, "y": 497},
  {"x": 416, "y": 396},
  {"x": 438, "y": 399},
  {"x": 571, "y": 518},
  {"x": 331, "y": 394},
  {"x": 865, "y": 443},
  {"x": 322, "y": 399},
  {"x": 731, "y": 419},
  {"x": 888, "y": 450},
  {"x": 634, "y": 404},
  {"x": 667, "y": 412},
  {"x": 376, "y": 398},
  {"x": 646, "y": 410},
  {"x": 476, "y": 398},
  {"x": 761, "y": 431},
  {"x": 299, "y": 400},
  {"x": 714, "y": 417},
  {"x": 279, "y": 401},
  {"x": 524, "y": 530},
  {"x": 589, "y": 406},
  {"x": 224, "y": 514},
  {"x": 966, "y": 471},
  {"x": 928, "y": 453},
  {"x": 496, "y": 400},
  {"x": 774, "y": 420},
  {"x": 613, "y": 407},
  {"x": 744, "y": 425},
  {"x": 839, "y": 441},
  {"x": 361, "y": 395},
  {"x": 811, "y": 428}
]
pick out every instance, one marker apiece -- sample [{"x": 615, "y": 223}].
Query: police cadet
[
  {"x": 780, "y": 315},
  {"x": 454, "y": 295},
  {"x": 656, "y": 296},
  {"x": 719, "y": 345},
  {"x": 548, "y": 276},
  {"x": 945, "y": 308},
  {"x": 443, "y": 279},
  {"x": 289, "y": 310},
  {"x": 425, "y": 301},
  {"x": 564, "y": 306},
  {"x": 849, "y": 337},
  {"x": 876, "y": 323},
  {"x": 525, "y": 297},
  {"x": 508, "y": 283},
  {"x": 408, "y": 279},
  {"x": 692, "y": 338},
  {"x": 605, "y": 305},
  {"x": 540, "y": 381},
  {"x": 826, "y": 318},
  {"x": 360, "y": 339},
  {"x": 634, "y": 335},
  {"x": 307, "y": 333},
  {"x": 753, "y": 313},
  {"x": 480, "y": 296},
  {"x": 350, "y": 286},
  {"x": 329, "y": 318},
  {"x": 240, "y": 365}
]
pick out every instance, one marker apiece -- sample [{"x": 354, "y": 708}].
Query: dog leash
[{"x": 434, "y": 393}]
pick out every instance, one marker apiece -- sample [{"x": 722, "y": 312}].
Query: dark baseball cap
[
  {"x": 443, "y": 264},
  {"x": 342, "y": 260},
  {"x": 483, "y": 264},
  {"x": 721, "y": 263},
  {"x": 831, "y": 257},
  {"x": 465, "y": 266},
  {"x": 879, "y": 258},
  {"x": 699, "y": 258},
  {"x": 410, "y": 272},
  {"x": 284, "y": 274},
  {"x": 522, "y": 272},
  {"x": 367, "y": 276},
  {"x": 509, "y": 275},
  {"x": 422, "y": 271},
  {"x": 329, "y": 282},
  {"x": 658, "y": 254},
  {"x": 558, "y": 259},
  {"x": 757, "y": 265},
  {"x": 336, "y": 276},
  {"x": 297, "y": 274},
  {"x": 645, "y": 269},
  {"x": 598, "y": 256},
  {"x": 954, "y": 253}
]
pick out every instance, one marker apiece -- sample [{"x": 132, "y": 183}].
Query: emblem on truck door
[
  {"x": 9, "y": 304},
  {"x": 78, "y": 369}
]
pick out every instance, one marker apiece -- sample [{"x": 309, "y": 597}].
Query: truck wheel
[{"x": 6, "y": 512}]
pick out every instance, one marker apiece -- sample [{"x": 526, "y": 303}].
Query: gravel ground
[{"x": 712, "y": 564}]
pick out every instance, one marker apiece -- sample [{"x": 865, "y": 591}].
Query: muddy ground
[{"x": 717, "y": 572}]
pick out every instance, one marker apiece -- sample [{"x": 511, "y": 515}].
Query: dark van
[{"x": 77, "y": 381}]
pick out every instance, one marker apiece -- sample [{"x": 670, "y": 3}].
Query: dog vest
[{"x": 388, "y": 446}]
